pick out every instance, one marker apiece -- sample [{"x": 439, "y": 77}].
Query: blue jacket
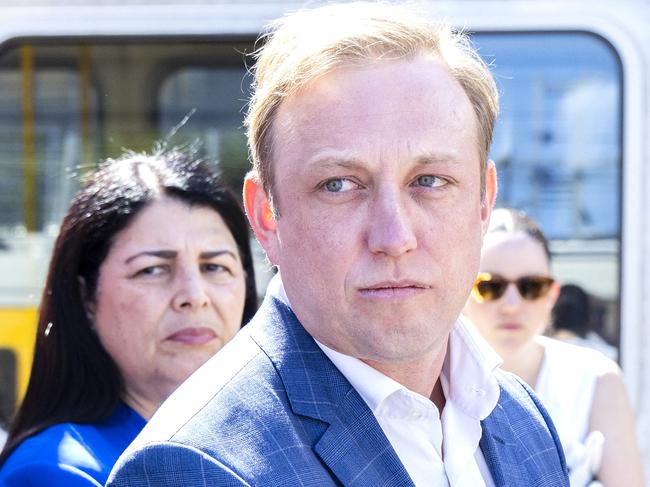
[
  {"x": 71, "y": 454},
  {"x": 272, "y": 410}
]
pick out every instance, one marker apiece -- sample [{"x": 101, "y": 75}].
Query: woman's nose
[
  {"x": 511, "y": 298},
  {"x": 191, "y": 291}
]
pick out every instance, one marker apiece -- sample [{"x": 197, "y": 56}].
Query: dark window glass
[{"x": 558, "y": 150}]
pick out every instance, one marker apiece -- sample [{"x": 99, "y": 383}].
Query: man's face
[{"x": 377, "y": 180}]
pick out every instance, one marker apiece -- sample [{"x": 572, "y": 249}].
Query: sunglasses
[{"x": 490, "y": 287}]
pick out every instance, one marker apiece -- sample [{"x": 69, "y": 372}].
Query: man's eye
[
  {"x": 429, "y": 181},
  {"x": 338, "y": 185}
]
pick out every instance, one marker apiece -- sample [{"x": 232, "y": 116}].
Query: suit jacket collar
[
  {"x": 508, "y": 452},
  {"x": 353, "y": 446},
  {"x": 500, "y": 448}
]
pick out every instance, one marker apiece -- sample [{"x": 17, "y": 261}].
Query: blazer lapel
[
  {"x": 501, "y": 450},
  {"x": 355, "y": 448},
  {"x": 353, "y": 445}
]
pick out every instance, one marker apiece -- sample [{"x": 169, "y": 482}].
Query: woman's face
[
  {"x": 511, "y": 321},
  {"x": 170, "y": 294}
]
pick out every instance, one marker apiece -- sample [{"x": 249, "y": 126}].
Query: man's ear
[
  {"x": 490, "y": 194},
  {"x": 260, "y": 215}
]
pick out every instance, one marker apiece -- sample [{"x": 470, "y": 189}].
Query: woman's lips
[
  {"x": 193, "y": 335},
  {"x": 510, "y": 326}
]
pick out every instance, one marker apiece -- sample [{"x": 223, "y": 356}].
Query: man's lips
[
  {"x": 393, "y": 290},
  {"x": 194, "y": 335}
]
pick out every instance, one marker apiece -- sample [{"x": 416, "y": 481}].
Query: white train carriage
[{"x": 80, "y": 82}]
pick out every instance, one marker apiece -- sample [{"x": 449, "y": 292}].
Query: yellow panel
[{"x": 17, "y": 332}]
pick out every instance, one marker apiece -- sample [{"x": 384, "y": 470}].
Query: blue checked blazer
[{"x": 270, "y": 409}]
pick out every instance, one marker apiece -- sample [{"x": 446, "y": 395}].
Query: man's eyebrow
[
  {"x": 426, "y": 159},
  {"x": 343, "y": 161},
  {"x": 329, "y": 160}
]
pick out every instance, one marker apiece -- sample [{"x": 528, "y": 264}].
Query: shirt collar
[
  {"x": 372, "y": 385},
  {"x": 470, "y": 361},
  {"x": 468, "y": 371}
]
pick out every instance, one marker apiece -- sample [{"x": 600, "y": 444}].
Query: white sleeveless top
[{"x": 566, "y": 385}]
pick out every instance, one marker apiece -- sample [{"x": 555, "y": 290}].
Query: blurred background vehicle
[{"x": 81, "y": 80}]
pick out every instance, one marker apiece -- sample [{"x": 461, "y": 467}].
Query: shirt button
[{"x": 416, "y": 413}]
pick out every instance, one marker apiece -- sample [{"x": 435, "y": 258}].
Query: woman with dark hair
[
  {"x": 583, "y": 390},
  {"x": 150, "y": 276}
]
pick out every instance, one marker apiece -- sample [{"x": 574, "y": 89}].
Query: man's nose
[
  {"x": 190, "y": 291},
  {"x": 390, "y": 229}
]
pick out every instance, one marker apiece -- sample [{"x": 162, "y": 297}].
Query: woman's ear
[
  {"x": 554, "y": 293},
  {"x": 88, "y": 304}
]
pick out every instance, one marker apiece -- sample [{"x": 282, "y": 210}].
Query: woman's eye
[
  {"x": 211, "y": 267},
  {"x": 429, "y": 181},
  {"x": 154, "y": 270},
  {"x": 339, "y": 185}
]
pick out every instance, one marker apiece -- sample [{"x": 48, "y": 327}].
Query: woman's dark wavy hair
[{"x": 73, "y": 379}]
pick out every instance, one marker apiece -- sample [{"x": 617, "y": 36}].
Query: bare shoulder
[
  {"x": 611, "y": 407},
  {"x": 613, "y": 415},
  {"x": 610, "y": 395}
]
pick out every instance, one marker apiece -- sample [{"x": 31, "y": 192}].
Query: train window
[
  {"x": 65, "y": 105},
  {"x": 211, "y": 100},
  {"x": 558, "y": 149},
  {"x": 47, "y": 112},
  {"x": 36, "y": 151}
]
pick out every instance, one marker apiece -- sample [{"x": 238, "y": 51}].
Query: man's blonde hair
[{"x": 310, "y": 43}]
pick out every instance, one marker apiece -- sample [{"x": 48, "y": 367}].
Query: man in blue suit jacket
[
  {"x": 369, "y": 131},
  {"x": 271, "y": 409}
]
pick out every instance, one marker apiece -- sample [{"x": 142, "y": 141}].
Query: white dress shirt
[{"x": 435, "y": 450}]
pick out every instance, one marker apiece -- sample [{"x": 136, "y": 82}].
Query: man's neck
[{"x": 421, "y": 375}]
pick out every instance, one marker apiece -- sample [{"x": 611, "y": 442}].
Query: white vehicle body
[{"x": 616, "y": 268}]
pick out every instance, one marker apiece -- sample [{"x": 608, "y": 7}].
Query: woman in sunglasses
[{"x": 510, "y": 304}]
